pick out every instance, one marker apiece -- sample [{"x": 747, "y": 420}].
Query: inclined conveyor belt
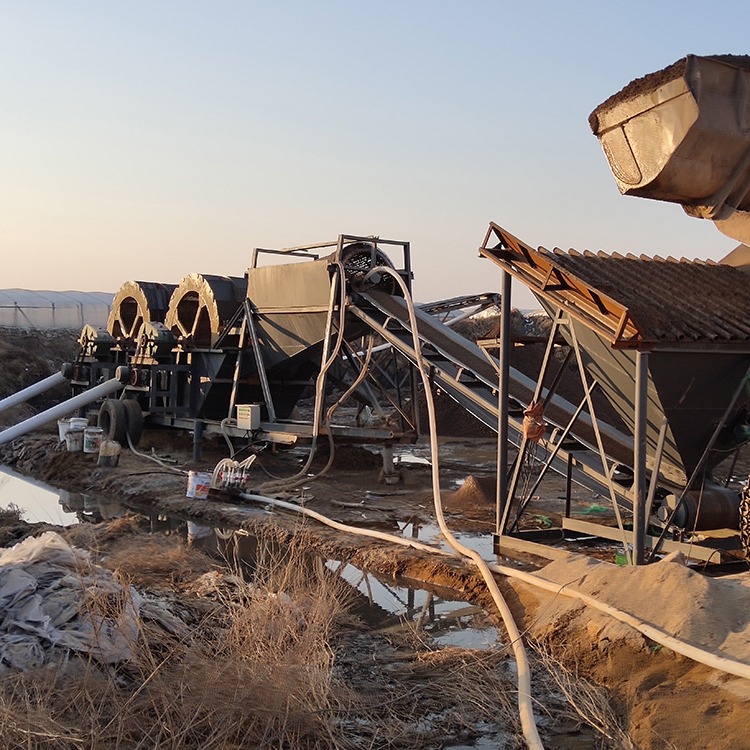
[{"x": 470, "y": 377}]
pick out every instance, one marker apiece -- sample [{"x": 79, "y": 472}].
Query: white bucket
[
  {"x": 199, "y": 483},
  {"x": 92, "y": 439},
  {"x": 63, "y": 425},
  {"x": 74, "y": 440},
  {"x": 78, "y": 423}
]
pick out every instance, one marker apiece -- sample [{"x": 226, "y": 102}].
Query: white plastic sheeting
[
  {"x": 54, "y": 598},
  {"x": 23, "y": 308}
]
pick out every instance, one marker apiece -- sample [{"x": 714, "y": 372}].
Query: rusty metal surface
[
  {"x": 635, "y": 301},
  {"x": 136, "y": 303},
  {"x": 201, "y": 306}
]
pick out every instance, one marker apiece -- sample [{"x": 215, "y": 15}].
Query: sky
[{"x": 151, "y": 139}]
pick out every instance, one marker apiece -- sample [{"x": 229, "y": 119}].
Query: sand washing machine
[
  {"x": 687, "y": 325},
  {"x": 198, "y": 349}
]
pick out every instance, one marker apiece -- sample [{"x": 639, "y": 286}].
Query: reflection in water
[
  {"x": 382, "y": 605},
  {"x": 388, "y": 606},
  {"x": 39, "y": 502},
  {"x": 431, "y": 534},
  {"x": 90, "y": 509}
]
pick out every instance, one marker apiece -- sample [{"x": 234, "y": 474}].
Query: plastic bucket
[
  {"x": 78, "y": 423},
  {"x": 63, "y": 425},
  {"x": 92, "y": 439},
  {"x": 199, "y": 482},
  {"x": 74, "y": 439}
]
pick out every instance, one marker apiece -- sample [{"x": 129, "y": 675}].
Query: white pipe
[
  {"x": 82, "y": 399},
  {"x": 383, "y": 536},
  {"x": 33, "y": 390},
  {"x": 461, "y": 317}
]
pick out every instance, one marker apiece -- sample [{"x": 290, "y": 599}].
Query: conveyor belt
[{"x": 470, "y": 376}]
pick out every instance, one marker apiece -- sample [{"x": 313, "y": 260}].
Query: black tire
[
  {"x": 133, "y": 420},
  {"x": 113, "y": 420}
]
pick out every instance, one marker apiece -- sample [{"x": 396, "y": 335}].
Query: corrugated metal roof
[
  {"x": 668, "y": 299},
  {"x": 634, "y": 301}
]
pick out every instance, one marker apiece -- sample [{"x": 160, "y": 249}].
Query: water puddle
[
  {"x": 390, "y": 606},
  {"x": 383, "y": 605},
  {"x": 39, "y": 502},
  {"x": 430, "y": 533}
]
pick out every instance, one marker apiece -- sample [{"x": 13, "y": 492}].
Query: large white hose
[
  {"x": 700, "y": 655},
  {"x": 34, "y": 390},
  {"x": 525, "y": 705},
  {"x": 382, "y": 535},
  {"x": 66, "y": 407}
]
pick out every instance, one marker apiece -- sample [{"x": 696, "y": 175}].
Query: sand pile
[{"x": 710, "y": 613}]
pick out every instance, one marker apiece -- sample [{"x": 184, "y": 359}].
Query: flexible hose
[
  {"x": 525, "y": 705},
  {"x": 722, "y": 663},
  {"x": 353, "y": 387},
  {"x": 371, "y": 533},
  {"x": 153, "y": 458}
]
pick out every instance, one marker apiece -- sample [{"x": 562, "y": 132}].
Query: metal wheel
[
  {"x": 136, "y": 303},
  {"x": 358, "y": 258},
  {"x": 201, "y": 306}
]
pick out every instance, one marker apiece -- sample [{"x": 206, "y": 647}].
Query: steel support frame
[
  {"x": 639, "y": 457},
  {"x": 502, "y": 407},
  {"x": 608, "y": 470},
  {"x": 509, "y": 495}
]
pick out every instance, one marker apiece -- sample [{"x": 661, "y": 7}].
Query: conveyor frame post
[
  {"x": 639, "y": 456},
  {"x": 502, "y": 410}
]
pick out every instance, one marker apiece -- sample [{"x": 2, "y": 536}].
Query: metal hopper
[
  {"x": 686, "y": 319},
  {"x": 682, "y": 135}
]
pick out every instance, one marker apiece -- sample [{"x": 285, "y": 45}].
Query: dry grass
[
  {"x": 222, "y": 661},
  {"x": 589, "y": 702},
  {"x": 11, "y": 515},
  {"x": 255, "y": 671}
]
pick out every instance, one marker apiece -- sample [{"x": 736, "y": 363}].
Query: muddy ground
[
  {"x": 662, "y": 699},
  {"x": 659, "y": 698}
]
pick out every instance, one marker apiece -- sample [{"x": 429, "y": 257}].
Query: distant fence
[{"x": 52, "y": 315}]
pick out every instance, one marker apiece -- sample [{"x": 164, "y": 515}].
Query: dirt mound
[
  {"x": 668, "y": 701},
  {"x": 474, "y": 500}
]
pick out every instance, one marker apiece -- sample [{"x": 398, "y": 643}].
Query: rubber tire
[
  {"x": 133, "y": 419},
  {"x": 113, "y": 420}
]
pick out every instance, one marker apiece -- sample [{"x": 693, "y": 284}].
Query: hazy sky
[{"x": 148, "y": 140}]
